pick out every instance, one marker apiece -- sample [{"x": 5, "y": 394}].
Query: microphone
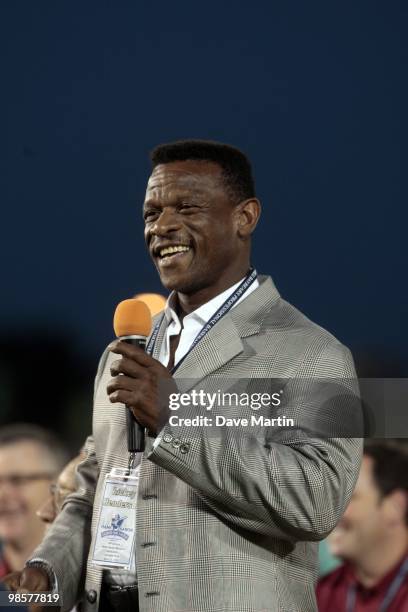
[
  {"x": 154, "y": 301},
  {"x": 132, "y": 323}
]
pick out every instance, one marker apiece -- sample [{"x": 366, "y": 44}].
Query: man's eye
[
  {"x": 150, "y": 215},
  {"x": 188, "y": 208}
]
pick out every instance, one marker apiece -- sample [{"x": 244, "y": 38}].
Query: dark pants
[{"x": 119, "y": 599}]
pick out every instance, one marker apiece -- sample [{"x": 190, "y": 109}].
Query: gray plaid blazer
[{"x": 224, "y": 523}]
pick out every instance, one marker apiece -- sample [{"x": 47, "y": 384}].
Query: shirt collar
[{"x": 203, "y": 313}]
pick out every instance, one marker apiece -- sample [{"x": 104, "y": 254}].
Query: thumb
[{"x": 33, "y": 579}]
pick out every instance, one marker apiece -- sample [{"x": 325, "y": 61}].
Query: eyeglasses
[{"x": 19, "y": 480}]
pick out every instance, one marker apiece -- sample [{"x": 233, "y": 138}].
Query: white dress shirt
[{"x": 194, "y": 322}]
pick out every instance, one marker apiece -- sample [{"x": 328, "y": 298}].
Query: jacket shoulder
[{"x": 305, "y": 347}]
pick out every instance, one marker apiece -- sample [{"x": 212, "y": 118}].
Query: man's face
[
  {"x": 25, "y": 474},
  {"x": 364, "y": 525},
  {"x": 64, "y": 486},
  {"x": 187, "y": 209}
]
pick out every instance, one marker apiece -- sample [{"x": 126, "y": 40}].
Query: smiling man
[
  {"x": 30, "y": 457},
  {"x": 188, "y": 213},
  {"x": 224, "y": 522}
]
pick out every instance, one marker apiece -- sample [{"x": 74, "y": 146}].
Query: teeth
[{"x": 173, "y": 249}]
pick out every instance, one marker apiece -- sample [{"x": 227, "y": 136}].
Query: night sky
[{"x": 315, "y": 93}]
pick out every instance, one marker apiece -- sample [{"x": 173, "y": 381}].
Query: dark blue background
[{"x": 315, "y": 93}]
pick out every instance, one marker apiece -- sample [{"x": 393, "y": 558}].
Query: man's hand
[
  {"x": 138, "y": 385},
  {"x": 30, "y": 580}
]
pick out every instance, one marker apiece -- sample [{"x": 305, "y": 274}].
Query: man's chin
[
  {"x": 175, "y": 282},
  {"x": 176, "y": 272},
  {"x": 12, "y": 533},
  {"x": 341, "y": 550}
]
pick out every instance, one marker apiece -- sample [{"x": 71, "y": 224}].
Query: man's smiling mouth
[
  {"x": 169, "y": 254},
  {"x": 171, "y": 250}
]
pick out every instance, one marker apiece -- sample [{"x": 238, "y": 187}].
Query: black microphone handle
[{"x": 135, "y": 431}]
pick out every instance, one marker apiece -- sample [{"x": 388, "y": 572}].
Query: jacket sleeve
[
  {"x": 65, "y": 546},
  {"x": 292, "y": 484}
]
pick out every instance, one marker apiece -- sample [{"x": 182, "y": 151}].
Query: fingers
[
  {"x": 135, "y": 362},
  {"x": 132, "y": 352},
  {"x": 128, "y": 367},
  {"x": 12, "y": 581},
  {"x": 122, "y": 396},
  {"x": 137, "y": 397},
  {"x": 128, "y": 391},
  {"x": 30, "y": 580},
  {"x": 124, "y": 383},
  {"x": 136, "y": 383}
]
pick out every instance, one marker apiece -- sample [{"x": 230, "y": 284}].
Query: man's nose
[
  {"x": 168, "y": 221},
  {"x": 47, "y": 512}
]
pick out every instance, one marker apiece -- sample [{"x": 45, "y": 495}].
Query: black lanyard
[
  {"x": 390, "y": 594},
  {"x": 221, "y": 312}
]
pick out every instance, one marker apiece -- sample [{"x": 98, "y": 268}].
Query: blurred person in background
[
  {"x": 372, "y": 538},
  {"x": 30, "y": 458},
  {"x": 65, "y": 484}
]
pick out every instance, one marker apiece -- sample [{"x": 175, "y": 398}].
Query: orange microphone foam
[
  {"x": 154, "y": 301},
  {"x": 132, "y": 318}
]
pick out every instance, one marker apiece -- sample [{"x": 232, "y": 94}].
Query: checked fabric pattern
[{"x": 224, "y": 523}]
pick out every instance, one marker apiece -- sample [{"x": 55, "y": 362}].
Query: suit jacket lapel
[
  {"x": 224, "y": 341},
  {"x": 160, "y": 334},
  {"x": 218, "y": 346}
]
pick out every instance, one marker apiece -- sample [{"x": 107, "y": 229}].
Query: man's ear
[
  {"x": 397, "y": 506},
  {"x": 247, "y": 214}
]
